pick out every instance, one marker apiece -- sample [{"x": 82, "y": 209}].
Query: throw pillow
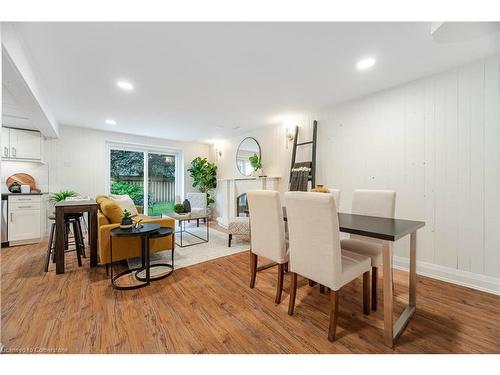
[
  {"x": 112, "y": 211},
  {"x": 125, "y": 203}
]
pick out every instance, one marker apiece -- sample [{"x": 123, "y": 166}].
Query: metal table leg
[{"x": 393, "y": 330}]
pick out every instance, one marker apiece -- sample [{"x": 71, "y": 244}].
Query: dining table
[
  {"x": 71, "y": 207},
  {"x": 388, "y": 229}
]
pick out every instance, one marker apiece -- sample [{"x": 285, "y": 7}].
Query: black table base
[
  {"x": 126, "y": 272},
  {"x": 183, "y": 230},
  {"x": 154, "y": 278},
  {"x": 149, "y": 232}
]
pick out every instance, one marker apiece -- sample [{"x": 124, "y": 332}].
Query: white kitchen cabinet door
[
  {"x": 24, "y": 224},
  {"x": 25, "y": 144},
  {"x": 5, "y": 142}
]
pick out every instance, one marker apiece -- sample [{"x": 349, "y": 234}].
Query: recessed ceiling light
[
  {"x": 125, "y": 85},
  {"x": 365, "y": 63},
  {"x": 110, "y": 121}
]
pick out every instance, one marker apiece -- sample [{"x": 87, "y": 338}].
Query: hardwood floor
[{"x": 209, "y": 308}]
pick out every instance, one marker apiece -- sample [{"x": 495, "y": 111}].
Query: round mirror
[{"x": 248, "y": 147}]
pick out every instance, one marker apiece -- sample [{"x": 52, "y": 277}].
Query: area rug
[{"x": 215, "y": 248}]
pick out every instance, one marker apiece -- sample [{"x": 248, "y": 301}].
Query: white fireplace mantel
[{"x": 228, "y": 189}]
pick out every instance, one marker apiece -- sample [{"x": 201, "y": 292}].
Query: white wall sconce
[
  {"x": 218, "y": 153},
  {"x": 289, "y": 135}
]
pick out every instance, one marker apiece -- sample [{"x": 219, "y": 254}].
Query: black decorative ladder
[{"x": 312, "y": 172}]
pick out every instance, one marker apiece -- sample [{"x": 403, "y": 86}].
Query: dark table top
[
  {"x": 133, "y": 232},
  {"x": 162, "y": 232},
  {"x": 376, "y": 227}
]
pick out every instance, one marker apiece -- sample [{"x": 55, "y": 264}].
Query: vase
[{"x": 187, "y": 206}]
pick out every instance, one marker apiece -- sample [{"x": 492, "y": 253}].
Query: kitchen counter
[{"x": 33, "y": 193}]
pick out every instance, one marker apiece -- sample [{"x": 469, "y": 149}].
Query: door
[
  {"x": 25, "y": 144},
  {"x": 127, "y": 175},
  {"x": 5, "y": 142},
  {"x": 24, "y": 224},
  {"x": 161, "y": 183}
]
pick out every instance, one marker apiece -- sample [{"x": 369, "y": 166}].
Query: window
[{"x": 150, "y": 177}]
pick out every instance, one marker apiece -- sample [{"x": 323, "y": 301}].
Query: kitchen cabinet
[
  {"x": 21, "y": 144},
  {"x": 24, "y": 219},
  {"x": 5, "y": 142}
]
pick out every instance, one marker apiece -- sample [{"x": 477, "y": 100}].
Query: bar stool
[{"x": 69, "y": 220}]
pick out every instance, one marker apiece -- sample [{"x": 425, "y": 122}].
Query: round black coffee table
[
  {"x": 162, "y": 232},
  {"x": 144, "y": 232}
]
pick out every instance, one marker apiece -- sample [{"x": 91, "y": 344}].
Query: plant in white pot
[{"x": 256, "y": 163}]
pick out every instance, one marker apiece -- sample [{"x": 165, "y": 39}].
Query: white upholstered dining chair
[
  {"x": 336, "y": 196},
  {"x": 267, "y": 233},
  {"x": 381, "y": 203},
  {"x": 315, "y": 251}
]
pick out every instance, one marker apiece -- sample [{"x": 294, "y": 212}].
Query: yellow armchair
[{"x": 130, "y": 247}]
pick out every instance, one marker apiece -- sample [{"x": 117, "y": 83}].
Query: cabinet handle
[
  {"x": 6, "y": 151},
  {"x": 25, "y": 206},
  {"x": 11, "y": 217},
  {"x": 13, "y": 151}
]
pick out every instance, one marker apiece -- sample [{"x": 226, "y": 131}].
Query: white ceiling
[{"x": 198, "y": 81}]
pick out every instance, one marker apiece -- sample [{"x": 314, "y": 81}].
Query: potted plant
[
  {"x": 179, "y": 209},
  {"x": 256, "y": 163},
  {"x": 126, "y": 222},
  {"x": 204, "y": 175},
  {"x": 62, "y": 195}
]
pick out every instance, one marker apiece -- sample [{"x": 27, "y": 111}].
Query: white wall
[
  {"x": 436, "y": 142},
  {"x": 77, "y": 159}
]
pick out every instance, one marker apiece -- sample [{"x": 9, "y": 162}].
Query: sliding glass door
[
  {"x": 127, "y": 175},
  {"x": 148, "y": 177},
  {"x": 161, "y": 183}
]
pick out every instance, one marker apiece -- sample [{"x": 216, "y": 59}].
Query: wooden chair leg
[
  {"x": 66, "y": 236},
  {"x": 312, "y": 283},
  {"x": 230, "y": 238},
  {"x": 279, "y": 286},
  {"x": 197, "y": 222},
  {"x": 366, "y": 293},
  {"x": 286, "y": 267},
  {"x": 78, "y": 242},
  {"x": 77, "y": 247},
  {"x": 374, "y": 288},
  {"x": 82, "y": 238},
  {"x": 334, "y": 309},
  {"x": 293, "y": 293},
  {"x": 49, "y": 247},
  {"x": 321, "y": 289},
  {"x": 253, "y": 268}
]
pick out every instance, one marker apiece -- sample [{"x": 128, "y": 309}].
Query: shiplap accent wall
[{"x": 436, "y": 142}]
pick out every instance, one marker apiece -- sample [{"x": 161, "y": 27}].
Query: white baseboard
[{"x": 471, "y": 280}]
